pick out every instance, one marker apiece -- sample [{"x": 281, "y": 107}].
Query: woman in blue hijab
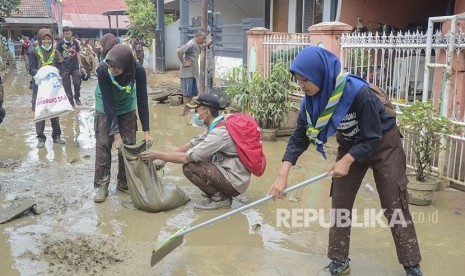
[{"x": 367, "y": 136}]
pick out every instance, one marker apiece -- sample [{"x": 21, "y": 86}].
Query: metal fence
[
  {"x": 393, "y": 62},
  {"x": 412, "y": 67},
  {"x": 282, "y": 47},
  {"x": 396, "y": 63}
]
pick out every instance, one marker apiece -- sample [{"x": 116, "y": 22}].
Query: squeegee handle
[{"x": 252, "y": 204}]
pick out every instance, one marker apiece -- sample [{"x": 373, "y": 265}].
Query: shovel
[{"x": 177, "y": 238}]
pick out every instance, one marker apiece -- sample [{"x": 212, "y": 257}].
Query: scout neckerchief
[
  {"x": 325, "y": 116},
  {"x": 50, "y": 60},
  {"x": 127, "y": 88},
  {"x": 215, "y": 122}
]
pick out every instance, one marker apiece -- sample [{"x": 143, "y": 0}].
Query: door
[{"x": 280, "y": 15}]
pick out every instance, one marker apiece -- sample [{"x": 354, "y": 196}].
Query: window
[{"x": 312, "y": 13}]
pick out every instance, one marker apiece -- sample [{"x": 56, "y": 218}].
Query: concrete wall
[
  {"x": 459, "y": 7},
  {"x": 232, "y": 12},
  {"x": 456, "y": 95},
  {"x": 397, "y": 13},
  {"x": 223, "y": 65},
  {"x": 172, "y": 42}
]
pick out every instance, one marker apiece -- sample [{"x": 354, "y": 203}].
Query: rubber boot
[
  {"x": 217, "y": 201},
  {"x": 101, "y": 194}
]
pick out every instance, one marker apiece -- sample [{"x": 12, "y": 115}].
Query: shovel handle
[{"x": 252, "y": 204}]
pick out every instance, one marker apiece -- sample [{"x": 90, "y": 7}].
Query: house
[
  {"x": 32, "y": 16},
  {"x": 86, "y": 17},
  {"x": 290, "y": 16}
]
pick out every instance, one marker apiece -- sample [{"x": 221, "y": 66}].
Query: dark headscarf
[
  {"x": 322, "y": 67},
  {"x": 122, "y": 56},
  {"x": 108, "y": 41},
  {"x": 40, "y": 36},
  {"x": 43, "y": 32}
]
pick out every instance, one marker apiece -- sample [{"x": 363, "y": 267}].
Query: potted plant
[
  {"x": 241, "y": 86},
  {"x": 425, "y": 130},
  {"x": 267, "y": 100},
  {"x": 271, "y": 106}
]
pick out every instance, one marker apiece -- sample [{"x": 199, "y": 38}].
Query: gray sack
[{"x": 147, "y": 190}]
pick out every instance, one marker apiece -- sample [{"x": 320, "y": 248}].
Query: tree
[
  {"x": 143, "y": 17},
  {"x": 8, "y": 6}
]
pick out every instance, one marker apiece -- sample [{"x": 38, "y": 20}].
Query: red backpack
[{"x": 246, "y": 134}]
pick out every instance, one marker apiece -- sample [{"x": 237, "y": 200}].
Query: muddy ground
[{"x": 71, "y": 235}]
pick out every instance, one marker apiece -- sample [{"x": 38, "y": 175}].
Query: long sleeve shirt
[
  {"x": 35, "y": 64},
  {"x": 362, "y": 127},
  {"x": 218, "y": 147},
  {"x": 117, "y": 102}
]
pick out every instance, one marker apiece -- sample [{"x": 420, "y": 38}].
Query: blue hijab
[{"x": 322, "y": 67}]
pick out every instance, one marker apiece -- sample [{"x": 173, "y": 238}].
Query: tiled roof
[
  {"x": 92, "y": 6},
  {"x": 32, "y": 8},
  {"x": 94, "y": 21},
  {"x": 88, "y": 14}
]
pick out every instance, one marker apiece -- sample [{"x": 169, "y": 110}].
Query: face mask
[
  {"x": 196, "y": 119},
  {"x": 46, "y": 48}
]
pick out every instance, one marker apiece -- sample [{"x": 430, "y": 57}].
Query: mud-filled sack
[
  {"x": 51, "y": 97},
  {"x": 148, "y": 192},
  {"x": 86, "y": 138}
]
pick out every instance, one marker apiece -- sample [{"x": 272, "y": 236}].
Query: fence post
[
  {"x": 184, "y": 22},
  {"x": 328, "y": 35},
  {"x": 154, "y": 56},
  {"x": 255, "y": 49},
  {"x": 247, "y": 24},
  {"x": 217, "y": 31}
]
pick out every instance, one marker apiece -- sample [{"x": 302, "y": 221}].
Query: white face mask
[{"x": 46, "y": 48}]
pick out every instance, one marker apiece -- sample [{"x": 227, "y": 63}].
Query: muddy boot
[
  {"x": 101, "y": 194},
  {"x": 217, "y": 201},
  {"x": 413, "y": 270},
  {"x": 123, "y": 187},
  {"x": 40, "y": 143},
  {"x": 337, "y": 268},
  {"x": 59, "y": 141}
]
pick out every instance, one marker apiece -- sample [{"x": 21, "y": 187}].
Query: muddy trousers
[
  {"x": 66, "y": 75},
  {"x": 127, "y": 129},
  {"x": 388, "y": 164},
  {"x": 208, "y": 178}
]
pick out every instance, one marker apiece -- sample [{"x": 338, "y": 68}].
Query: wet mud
[{"x": 71, "y": 235}]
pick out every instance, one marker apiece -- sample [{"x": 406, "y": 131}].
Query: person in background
[
  {"x": 44, "y": 54},
  {"x": 367, "y": 136},
  {"x": 121, "y": 90},
  {"x": 138, "y": 48},
  {"x": 87, "y": 59},
  {"x": 25, "y": 47},
  {"x": 98, "y": 49},
  {"x": 188, "y": 55},
  {"x": 70, "y": 67}
]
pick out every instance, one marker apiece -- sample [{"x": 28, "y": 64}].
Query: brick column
[
  {"x": 328, "y": 34},
  {"x": 255, "y": 49}
]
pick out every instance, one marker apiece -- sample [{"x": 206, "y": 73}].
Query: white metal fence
[
  {"x": 282, "y": 47},
  {"x": 396, "y": 63},
  {"x": 417, "y": 66}
]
